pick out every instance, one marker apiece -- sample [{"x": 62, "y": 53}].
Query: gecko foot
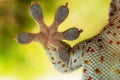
[{"x": 50, "y": 35}]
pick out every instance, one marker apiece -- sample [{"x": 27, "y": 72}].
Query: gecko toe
[
  {"x": 71, "y": 34},
  {"x": 24, "y": 38}
]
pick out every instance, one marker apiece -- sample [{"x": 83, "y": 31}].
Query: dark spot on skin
[
  {"x": 114, "y": 54},
  {"x": 117, "y": 71},
  {"x": 110, "y": 42},
  {"x": 53, "y": 63},
  {"x": 100, "y": 47},
  {"x": 114, "y": 34},
  {"x": 89, "y": 78},
  {"x": 99, "y": 40},
  {"x": 84, "y": 70},
  {"x": 65, "y": 70},
  {"x": 97, "y": 71},
  {"x": 108, "y": 32},
  {"x": 88, "y": 41},
  {"x": 78, "y": 47},
  {"x": 118, "y": 43},
  {"x": 118, "y": 27},
  {"x": 111, "y": 24},
  {"x": 83, "y": 54},
  {"x": 75, "y": 60},
  {"x": 92, "y": 50},
  {"x": 86, "y": 61},
  {"x": 111, "y": 14},
  {"x": 63, "y": 65},
  {"x": 52, "y": 58},
  {"x": 102, "y": 59},
  {"x": 59, "y": 62}
]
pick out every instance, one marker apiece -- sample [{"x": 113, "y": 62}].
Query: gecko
[{"x": 99, "y": 56}]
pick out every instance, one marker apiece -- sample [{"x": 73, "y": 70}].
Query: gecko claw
[
  {"x": 66, "y": 4},
  {"x": 32, "y": 2}
]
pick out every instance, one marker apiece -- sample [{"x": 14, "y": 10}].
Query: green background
[{"x": 26, "y": 62}]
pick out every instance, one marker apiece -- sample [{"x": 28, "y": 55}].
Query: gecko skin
[{"x": 99, "y": 56}]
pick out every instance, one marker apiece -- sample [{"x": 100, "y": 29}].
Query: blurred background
[{"x": 29, "y": 62}]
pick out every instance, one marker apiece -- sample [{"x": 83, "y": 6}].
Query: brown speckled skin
[{"x": 99, "y": 56}]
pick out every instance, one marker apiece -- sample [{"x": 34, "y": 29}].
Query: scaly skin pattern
[{"x": 99, "y": 56}]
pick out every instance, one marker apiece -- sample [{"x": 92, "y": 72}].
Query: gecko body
[{"x": 99, "y": 56}]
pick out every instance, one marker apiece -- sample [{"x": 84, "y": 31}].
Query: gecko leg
[{"x": 37, "y": 14}]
